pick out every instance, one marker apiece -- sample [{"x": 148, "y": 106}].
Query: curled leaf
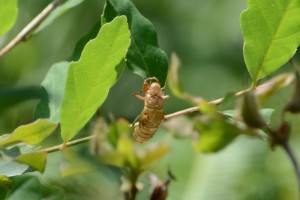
[
  {"x": 250, "y": 111},
  {"x": 293, "y": 105},
  {"x": 33, "y": 133}
]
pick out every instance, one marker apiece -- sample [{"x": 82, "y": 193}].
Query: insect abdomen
[{"x": 150, "y": 120}]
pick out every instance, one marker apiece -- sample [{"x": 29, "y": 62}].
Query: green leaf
[
  {"x": 60, "y": 10},
  {"x": 267, "y": 114},
  {"x": 8, "y": 14},
  {"x": 5, "y": 184},
  {"x": 89, "y": 79},
  {"x": 271, "y": 33},
  {"x": 5, "y": 181},
  {"x": 154, "y": 153},
  {"x": 36, "y": 160},
  {"x": 10, "y": 168},
  {"x": 216, "y": 132},
  {"x": 33, "y": 133},
  {"x": 273, "y": 85},
  {"x": 85, "y": 39},
  {"x": 173, "y": 80},
  {"x": 144, "y": 57},
  {"x": 54, "y": 85},
  {"x": 114, "y": 158}
]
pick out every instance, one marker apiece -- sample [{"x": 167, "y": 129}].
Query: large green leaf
[
  {"x": 33, "y": 133},
  {"x": 271, "y": 30},
  {"x": 54, "y": 84},
  {"x": 89, "y": 79},
  {"x": 8, "y": 14},
  {"x": 36, "y": 160},
  {"x": 144, "y": 57}
]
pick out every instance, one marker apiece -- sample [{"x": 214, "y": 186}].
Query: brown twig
[
  {"x": 31, "y": 26},
  {"x": 196, "y": 108},
  {"x": 169, "y": 116},
  {"x": 68, "y": 144}
]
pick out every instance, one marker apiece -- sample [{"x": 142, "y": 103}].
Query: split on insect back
[{"x": 153, "y": 113}]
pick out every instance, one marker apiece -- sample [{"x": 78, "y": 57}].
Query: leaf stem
[
  {"x": 31, "y": 26},
  {"x": 293, "y": 159},
  {"x": 68, "y": 144}
]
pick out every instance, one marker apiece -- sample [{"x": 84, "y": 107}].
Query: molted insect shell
[{"x": 152, "y": 114}]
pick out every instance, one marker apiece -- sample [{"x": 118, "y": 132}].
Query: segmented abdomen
[{"x": 149, "y": 121}]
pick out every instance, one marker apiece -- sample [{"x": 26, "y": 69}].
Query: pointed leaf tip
[
  {"x": 271, "y": 31},
  {"x": 89, "y": 79}
]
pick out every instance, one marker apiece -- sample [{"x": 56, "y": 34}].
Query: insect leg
[
  {"x": 138, "y": 96},
  {"x": 166, "y": 97}
]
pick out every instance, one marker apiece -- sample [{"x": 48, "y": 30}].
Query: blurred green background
[{"x": 207, "y": 37}]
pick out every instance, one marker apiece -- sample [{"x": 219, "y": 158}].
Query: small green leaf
[
  {"x": 125, "y": 144},
  {"x": 10, "y": 168},
  {"x": 215, "y": 133},
  {"x": 114, "y": 158},
  {"x": 54, "y": 85},
  {"x": 8, "y": 14},
  {"x": 273, "y": 85},
  {"x": 5, "y": 181},
  {"x": 173, "y": 77},
  {"x": 5, "y": 185},
  {"x": 267, "y": 114},
  {"x": 89, "y": 79},
  {"x": 33, "y": 133},
  {"x": 144, "y": 57},
  {"x": 153, "y": 153},
  {"x": 249, "y": 111},
  {"x": 271, "y": 32},
  {"x": 207, "y": 107},
  {"x": 60, "y": 10},
  {"x": 36, "y": 160},
  {"x": 175, "y": 84}
]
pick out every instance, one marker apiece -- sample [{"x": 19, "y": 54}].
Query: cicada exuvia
[{"x": 153, "y": 113}]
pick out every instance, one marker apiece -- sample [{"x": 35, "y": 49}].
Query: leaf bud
[
  {"x": 293, "y": 105},
  {"x": 250, "y": 111}
]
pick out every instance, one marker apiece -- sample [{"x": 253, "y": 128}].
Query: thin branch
[
  {"x": 68, "y": 144},
  {"x": 31, "y": 26},
  {"x": 196, "y": 108},
  {"x": 169, "y": 116},
  {"x": 295, "y": 164}
]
